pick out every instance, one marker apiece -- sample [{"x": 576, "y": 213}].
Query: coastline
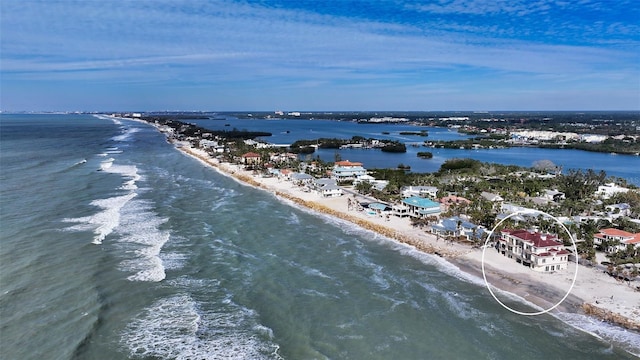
[
  {"x": 594, "y": 293},
  {"x": 620, "y": 304}
]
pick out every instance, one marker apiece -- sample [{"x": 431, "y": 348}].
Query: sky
[{"x": 329, "y": 55}]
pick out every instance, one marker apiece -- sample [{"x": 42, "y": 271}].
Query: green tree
[
  {"x": 364, "y": 187},
  {"x": 578, "y": 185}
]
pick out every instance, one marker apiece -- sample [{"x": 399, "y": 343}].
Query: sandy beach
[{"x": 593, "y": 293}]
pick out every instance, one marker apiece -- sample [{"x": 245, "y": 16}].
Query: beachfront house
[
  {"x": 456, "y": 227},
  {"x": 423, "y": 191},
  {"x": 400, "y": 210},
  {"x": 540, "y": 252},
  {"x": 347, "y": 170},
  {"x": 416, "y": 206},
  {"x": 327, "y": 187},
  {"x": 251, "y": 158},
  {"x": 301, "y": 179},
  {"x": 613, "y": 240}
]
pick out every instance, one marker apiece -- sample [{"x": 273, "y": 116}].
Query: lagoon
[{"x": 286, "y": 131}]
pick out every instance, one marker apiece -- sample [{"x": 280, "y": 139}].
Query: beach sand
[{"x": 593, "y": 293}]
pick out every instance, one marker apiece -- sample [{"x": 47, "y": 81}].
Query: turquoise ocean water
[{"x": 114, "y": 245}]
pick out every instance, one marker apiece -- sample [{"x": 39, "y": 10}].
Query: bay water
[
  {"x": 286, "y": 131},
  {"x": 114, "y": 245}
]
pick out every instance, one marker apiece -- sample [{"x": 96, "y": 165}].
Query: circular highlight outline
[{"x": 575, "y": 276}]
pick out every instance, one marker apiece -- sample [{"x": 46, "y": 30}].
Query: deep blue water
[{"x": 114, "y": 245}]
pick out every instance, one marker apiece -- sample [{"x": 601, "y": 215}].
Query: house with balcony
[
  {"x": 347, "y": 170},
  {"x": 327, "y": 187},
  {"x": 540, "y": 252},
  {"x": 251, "y": 158},
  {"x": 614, "y": 240},
  {"x": 458, "y": 228},
  {"x": 416, "y": 206}
]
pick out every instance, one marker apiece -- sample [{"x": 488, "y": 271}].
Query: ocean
[{"x": 114, "y": 245}]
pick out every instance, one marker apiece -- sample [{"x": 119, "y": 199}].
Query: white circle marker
[{"x": 575, "y": 275}]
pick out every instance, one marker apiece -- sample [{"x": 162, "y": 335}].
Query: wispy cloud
[{"x": 240, "y": 44}]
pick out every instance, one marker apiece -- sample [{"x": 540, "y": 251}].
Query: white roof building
[{"x": 606, "y": 191}]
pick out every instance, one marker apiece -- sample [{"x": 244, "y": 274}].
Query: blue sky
[{"x": 310, "y": 55}]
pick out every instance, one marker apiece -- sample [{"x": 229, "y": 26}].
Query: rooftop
[
  {"x": 420, "y": 202},
  {"x": 535, "y": 238}
]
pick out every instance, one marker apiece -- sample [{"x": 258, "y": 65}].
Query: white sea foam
[
  {"x": 104, "y": 221},
  {"x": 126, "y": 134},
  {"x": 628, "y": 340},
  {"x": 106, "y": 117},
  {"x": 173, "y": 260},
  {"x": 307, "y": 270},
  {"x": 178, "y": 328},
  {"x": 140, "y": 234},
  {"x": 137, "y": 226},
  {"x": 460, "y": 306},
  {"x": 106, "y": 164}
]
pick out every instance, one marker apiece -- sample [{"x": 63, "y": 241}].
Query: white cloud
[{"x": 167, "y": 43}]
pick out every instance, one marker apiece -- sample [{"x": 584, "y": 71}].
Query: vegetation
[
  {"x": 628, "y": 145},
  {"x": 425, "y": 154},
  {"x": 578, "y": 185},
  {"x": 394, "y": 147},
  {"x": 467, "y": 178},
  {"x": 460, "y": 166},
  {"x": 419, "y": 133}
]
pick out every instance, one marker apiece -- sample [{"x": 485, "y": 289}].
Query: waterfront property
[
  {"x": 302, "y": 179},
  {"x": 327, "y": 187},
  {"x": 251, "y": 158},
  {"x": 347, "y": 170},
  {"x": 416, "y": 206},
  {"x": 456, "y": 227},
  {"x": 540, "y": 252},
  {"x": 613, "y": 240}
]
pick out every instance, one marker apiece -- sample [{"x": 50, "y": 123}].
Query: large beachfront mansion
[{"x": 540, "y": 252}]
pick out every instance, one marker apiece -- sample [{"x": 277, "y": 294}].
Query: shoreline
[
  {"x": 594, "y": 294},
  {"x": 526, "y": 284}
]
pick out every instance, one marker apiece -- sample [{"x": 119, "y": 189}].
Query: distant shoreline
[{"x": 543, "y": 292}]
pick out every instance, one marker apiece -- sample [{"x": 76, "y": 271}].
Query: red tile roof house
[
  {"x": 618, "y": 239},
  {"x": 540, "y": 252},
  {"x": 251, "y": 158}
]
